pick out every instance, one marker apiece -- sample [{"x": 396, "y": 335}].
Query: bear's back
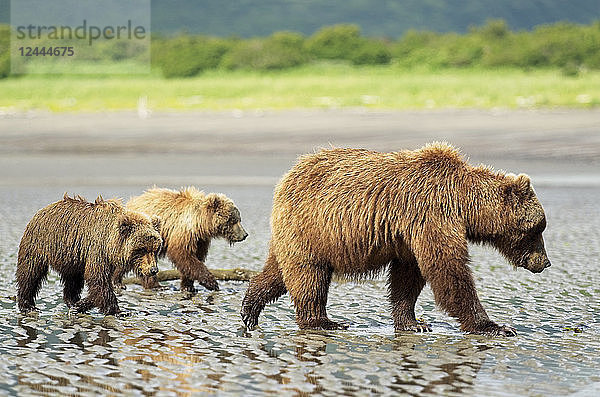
[
  {"x": 70, "y": 229},
  {"x": 345, "y": 203}
]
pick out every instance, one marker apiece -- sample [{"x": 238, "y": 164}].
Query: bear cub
[
  {"x": 190, "y": 220},
  {"x": 85, "y": 242}
]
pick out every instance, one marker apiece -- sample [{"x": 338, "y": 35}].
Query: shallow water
[{"x": 173, "y": 345}]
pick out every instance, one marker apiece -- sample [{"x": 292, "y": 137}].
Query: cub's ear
[
  {"x": 156, "y": 223},
  {"x": 517, "y": 186},
  {"x": 126, "y": 225},
  {"x": 213, "y": 202}
]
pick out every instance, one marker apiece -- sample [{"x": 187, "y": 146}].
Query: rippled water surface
[{"x": 175, "y": 345}]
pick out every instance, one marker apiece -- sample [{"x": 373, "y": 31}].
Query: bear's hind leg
[
  {"x": 405, "y": 283},
  {"x": 264, "y": 288},
  {"x": 29, "y": 280},
  {"x": 309, "y": 287},
  {"x": 73, "y": 284}
]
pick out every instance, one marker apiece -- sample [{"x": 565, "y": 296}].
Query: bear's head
[
  {"x": 225, "y": 218},
  {"x": 140, "y": 236},
  {"x": 522, "y": 242}
]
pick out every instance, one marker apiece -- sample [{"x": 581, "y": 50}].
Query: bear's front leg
[
  {"x": 117, "y": 279},
  {"x": 149, "y": 282},
  {"x": 192, "y": 268},
  {"x": 443, "y": 263},
  {"x": 405, "y": 283}
]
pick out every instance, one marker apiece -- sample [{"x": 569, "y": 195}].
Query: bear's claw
[
  {"x": 250, "y": 321},
  {"x": 503, "y": 330},
  {"x": 211, "y": 286},
  {"x": 496, "y": 330},
  {"x": 417, "y": 327}
]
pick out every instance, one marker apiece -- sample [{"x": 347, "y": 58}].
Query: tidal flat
[{"x": 172, "y": 344}]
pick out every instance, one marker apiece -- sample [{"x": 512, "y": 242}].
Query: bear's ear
[
  {"x": 517, "y": 186},
  {"x": 156, "y": 223},
  {"x": 126, "y": 225},
  {"x": 523, "y": 183},
  {"x": 213, "y": 202}
]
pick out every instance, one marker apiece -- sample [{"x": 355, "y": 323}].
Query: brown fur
[
  {"x": 85, "y": 241},
  {"x": 356, "y": 212},
  {"x": 191, "y": 219}
]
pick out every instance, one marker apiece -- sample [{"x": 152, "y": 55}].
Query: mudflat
[{"x": 174, "y": 344}]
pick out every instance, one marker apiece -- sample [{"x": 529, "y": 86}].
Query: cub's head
[
  {"x": 522, "y": 242},
  {"x": 141, "y": 240},
  {"x": 226, "y": 221}
]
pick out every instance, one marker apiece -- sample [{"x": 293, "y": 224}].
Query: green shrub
[
  {"x": 494, "y": 29},
  {"x": 279, "y": 51},
  {"x": 335, "y": 42},
  {"x": 4, "y": 51},
  {"x": 187, "y": 56},
  {"x": 462, "y": 51},
  {"x": 371, "y": 52},
  {"x": 563, "y": 45}
]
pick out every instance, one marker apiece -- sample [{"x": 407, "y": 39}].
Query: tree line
[{"x": 571, "y": 47}]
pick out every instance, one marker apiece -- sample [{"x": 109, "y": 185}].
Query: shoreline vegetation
[
  {"x": 551, "y": 66},
  {"x": 322, "y": 86}
]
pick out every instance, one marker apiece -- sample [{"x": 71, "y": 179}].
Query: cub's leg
[
  {"x": 192, "y": 268},
  {"x": 117, "y": 279},
  {"x": 73, "y": 284},
  {"x": 30, "y": 277}
]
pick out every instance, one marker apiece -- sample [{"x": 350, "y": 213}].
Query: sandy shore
[
  {"x": 567, "y": 135},
  {"x": 257, "y": 148}
]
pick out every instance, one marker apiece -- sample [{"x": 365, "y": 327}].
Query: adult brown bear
[
  {"x": 85, "y": 241},
  {"x": 355, "y": 212}
]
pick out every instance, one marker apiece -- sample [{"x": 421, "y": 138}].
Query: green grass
[{"x": 315, "y": 86}]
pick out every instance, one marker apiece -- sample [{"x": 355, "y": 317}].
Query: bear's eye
[
  {"x": 140, "y": 252},
  {"x": 539, "y": 228}
]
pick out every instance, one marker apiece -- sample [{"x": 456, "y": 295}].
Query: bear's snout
[
  {"x": 243, "y": 236},
  {"x": 547, "y": 264},
  {"x": 538, "y": 263},
  {"x": 239, "y": 234}
]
